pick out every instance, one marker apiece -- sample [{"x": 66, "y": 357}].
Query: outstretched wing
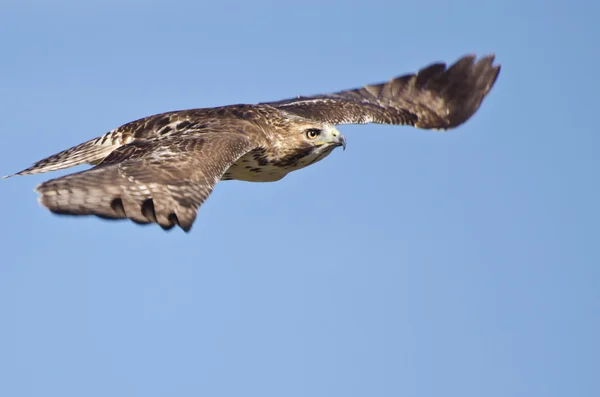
[
  {"x": 436, "y": 97},
  {"x": 162, "y": 181},
  {"x": 95, "y": 150}
]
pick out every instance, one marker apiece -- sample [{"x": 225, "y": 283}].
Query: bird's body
[{"x": 161, "y": 168}]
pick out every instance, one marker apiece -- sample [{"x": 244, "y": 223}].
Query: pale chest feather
[{"x": 257, "y": 166}]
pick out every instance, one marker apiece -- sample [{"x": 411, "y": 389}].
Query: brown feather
[
  {"x": 434, "y": 98},
  {"x": 162, "y": 182}
]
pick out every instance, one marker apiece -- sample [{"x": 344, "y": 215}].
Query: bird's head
[
  {"x": 307, "y": 143},
  {"x": 321, "y": 137}
]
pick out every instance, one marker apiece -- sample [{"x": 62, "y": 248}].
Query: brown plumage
[
  {"x": 161, "y": 168},
  {"x": 433, "y": 98}
]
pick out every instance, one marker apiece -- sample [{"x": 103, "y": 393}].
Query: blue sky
[{"x": 414, "y": 263}]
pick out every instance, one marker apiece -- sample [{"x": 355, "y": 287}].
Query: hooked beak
[{"x": 341, "y": 141}]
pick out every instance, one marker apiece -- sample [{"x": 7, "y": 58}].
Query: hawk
[{"x": 161, "y": 168}]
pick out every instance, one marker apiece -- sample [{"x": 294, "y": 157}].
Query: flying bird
[{"x": 161, "y": 168}]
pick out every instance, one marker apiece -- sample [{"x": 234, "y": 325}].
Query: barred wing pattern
[
  {"x": 160, "y": 181},
  {"x": 436, "y": 97}
]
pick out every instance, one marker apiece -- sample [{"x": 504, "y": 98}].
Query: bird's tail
[{"x": 91, "y": 152}]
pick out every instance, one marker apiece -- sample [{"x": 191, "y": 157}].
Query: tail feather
[{"x": 90, "y": 152}]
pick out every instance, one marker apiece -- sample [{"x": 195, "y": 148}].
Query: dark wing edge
[
  {"x": 162, "y": 182},
  {"x": 436, "y": 97}
]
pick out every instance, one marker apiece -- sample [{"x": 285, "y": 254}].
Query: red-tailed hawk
[{"x": 161, "y": 168}]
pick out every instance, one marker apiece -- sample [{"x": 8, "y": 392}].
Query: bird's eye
[{"x": 312, "y": 133}]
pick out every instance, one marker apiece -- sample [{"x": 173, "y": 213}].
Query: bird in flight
[{"x": 161, "y": 168}]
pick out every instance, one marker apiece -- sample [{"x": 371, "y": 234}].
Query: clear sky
[{"x": 414, "y": 263}]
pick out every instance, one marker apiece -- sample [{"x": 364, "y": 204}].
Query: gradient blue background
[{"x": 413, "y": 264}]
